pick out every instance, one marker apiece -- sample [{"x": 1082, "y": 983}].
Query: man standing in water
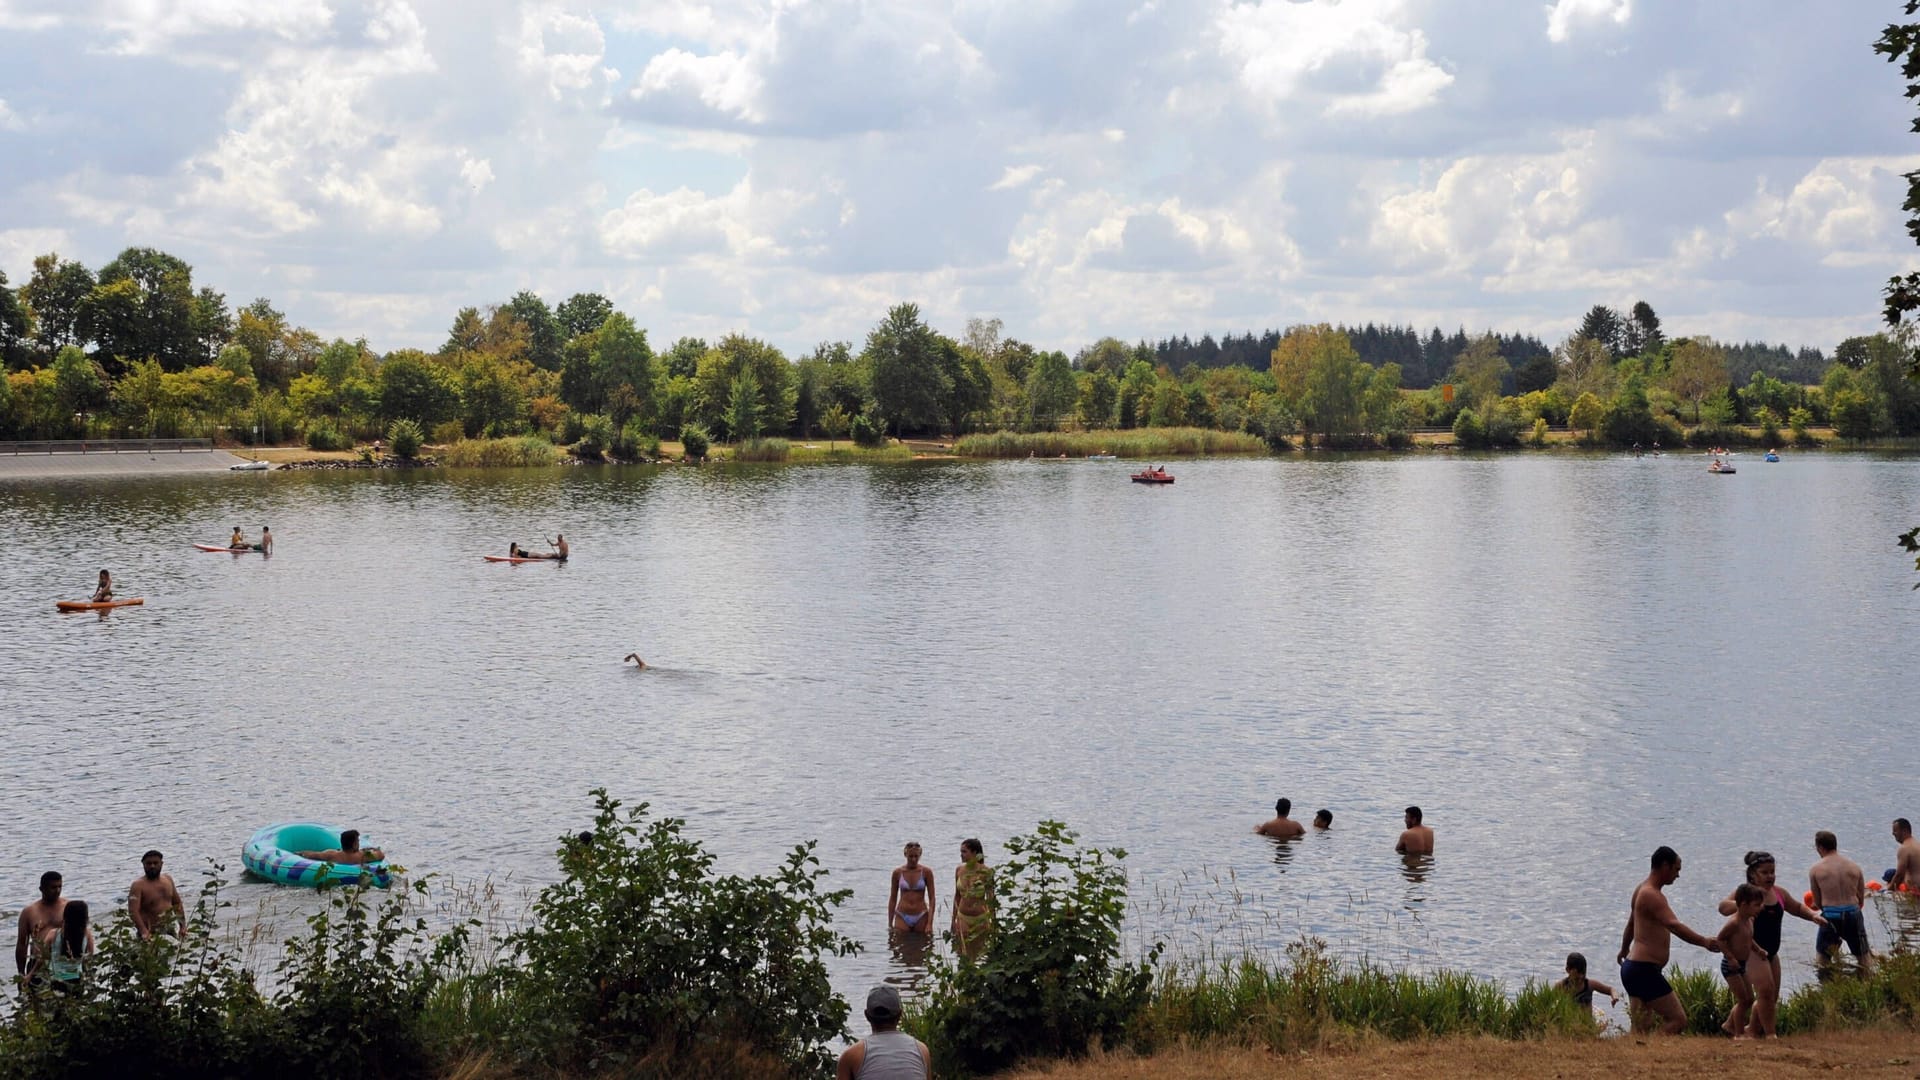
[
  {"x": 43, "y": 914},
  {"x": 1281, "y": 827},
  {"x": 154, "y": 902},
  {"x": 1418, "y": 838},
  {"x": 1906, "y": 861},
  {"x": 1646, "y": 943},
  {"x": 1839, "y": 889}
]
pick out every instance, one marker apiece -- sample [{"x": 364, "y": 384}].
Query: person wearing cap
[{"x": 888, "y": 1053}]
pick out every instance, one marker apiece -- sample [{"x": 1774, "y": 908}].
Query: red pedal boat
[{"x": 1152, "y": 476}]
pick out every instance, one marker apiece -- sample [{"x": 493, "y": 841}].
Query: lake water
[{"x": 1566, "y": 660}]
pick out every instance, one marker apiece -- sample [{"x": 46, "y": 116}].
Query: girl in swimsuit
[
  {"x": 973, "y": 900},
  {"x": 1763, "y": 963},
  {"x": 910, "y": 900},
  {"x": 105, "y": 592}
]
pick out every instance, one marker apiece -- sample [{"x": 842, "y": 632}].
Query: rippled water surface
[{"x": 1565, "y": 660}]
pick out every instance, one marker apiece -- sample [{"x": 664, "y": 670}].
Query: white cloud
[
  {"x": 19, "y": 247},
  {"x": 1357, "y": 56},
  {"x": 566, "y": 51},
  {"x": 1565, "y": 15},
  {"x": 10, "y": 120},
  {"x": 680, "y": 85},
  {"x": 1016, "y": 176},
  {"x": 1841, "y": 207}
]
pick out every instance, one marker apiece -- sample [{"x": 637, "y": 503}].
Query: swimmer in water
[{"x": 635, "y": 657}]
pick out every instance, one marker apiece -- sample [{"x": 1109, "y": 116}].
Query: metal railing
[{"x": 103, "y": 446}]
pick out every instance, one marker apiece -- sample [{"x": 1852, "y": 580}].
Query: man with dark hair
[
  {"x": 1839, "y": 890},
  {"x": 349, "y": 853},
  {"x": 888, "y": 1053},
  {"x": 1906, "y": 860},
  {"x": 1323, "y": 819},
  {"x": 1418, "y": 838},
  {"x": 154, "y": 902},
  {"x": 1281, "y": 827},
  {"x": 43, "y": 914},
  {"x": 1647, "y": 942}
]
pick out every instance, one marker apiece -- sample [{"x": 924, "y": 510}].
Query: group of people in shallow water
[
  {"x": 1415, "y": 839},
  {"x": 55, "y": 935},
  {"x": 1749, "y": 942},
  {"x": 912, "y": 897}
]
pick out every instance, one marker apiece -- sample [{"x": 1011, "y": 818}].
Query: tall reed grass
[
  {"x": 1132, "y": 443},
  {"x": 523, "y": 450},
  {"x": 844, "y": 452}
]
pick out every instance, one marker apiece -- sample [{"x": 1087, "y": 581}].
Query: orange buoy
[
  {"x": 1874, "y": 886},
  {"x": 1809, "y": 898}
]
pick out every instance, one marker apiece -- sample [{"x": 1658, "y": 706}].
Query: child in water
[
  {"x": 1736, "y": 944},
  {"x": 1582, "y": 988}
]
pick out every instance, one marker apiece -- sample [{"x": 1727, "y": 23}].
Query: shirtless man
[
  {"x": 41, "y": 915},
  {"x": 1839, "y": 889},
  {"x": 1418, "y": 839},
  {"x": 154, "y": 902},
  {"x": 1281, "y": 827},
  {"x": 1906, "y": 861},
  {"x": 1646, "y": 942},
  {"x": 347, "y": 854}
]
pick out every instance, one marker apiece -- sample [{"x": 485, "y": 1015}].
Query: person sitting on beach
[
  {"x": 61, "y": 950},
  {"x": 635, "y": 657},
  {"x": 888, "y": 1053},
  {"x": 1418, "y": 838},
  {"x": 41, "y": 915},
  {"x": 1281, "y": 827},
  {"x": 1582, "y": 988},
  {"x": 1839, "y": 891},
  {"x": 910, "y": 896},
  {"x": 104, "y": 593},
  {"x": 348, "y": 853},
  {"x": 1906, "y": 859},
  {"x": 1736, "y": 944},
  {"x": 154, "y": 902},
  {"x": 1323, "y": 819},
  {"x": 1647, "y": 943}
]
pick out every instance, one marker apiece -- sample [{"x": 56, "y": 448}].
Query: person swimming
[{"x": 635, "y": 657}]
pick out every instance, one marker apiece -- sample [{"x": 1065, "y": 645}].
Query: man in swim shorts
[
  {"x": 41, "y": 915},
  {"x": 1906, "y": 861},
  {"x": 1281, "y": 827},
  {"x": 1839, "y": 889},
  {"x": 1647, "y": 942}
]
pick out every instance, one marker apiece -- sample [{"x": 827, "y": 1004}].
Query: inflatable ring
[{"x": 269, "y": 853}]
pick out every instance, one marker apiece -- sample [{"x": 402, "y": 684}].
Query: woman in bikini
[
  {"x": 105, "y": 592},
  {"x": 972, "y": 900},
  {"x": 1763, "y": 963},
  {"x": 910, "y": 900}
]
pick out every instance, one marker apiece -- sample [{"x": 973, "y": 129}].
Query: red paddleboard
[
  {"x": 95, "y": 605},
  {"x": 511, "y": 559},
  {"x": 228, "y": 550}
]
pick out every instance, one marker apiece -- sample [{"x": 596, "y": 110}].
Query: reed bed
[
  {"x": 1130, "y": 443},
  {"x": 521, "y": 451}
]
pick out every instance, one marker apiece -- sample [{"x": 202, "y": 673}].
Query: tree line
[{"x": 136, "y": 348}]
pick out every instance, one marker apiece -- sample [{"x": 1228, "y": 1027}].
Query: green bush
[
  {"x": 323, "y": 435},
  {"x": 1798, "y": 421},
  {"x": 644, "y": 953},
  {"x": 1468, "y": 432},
  {"x": 448, "y": 432},
  {"x": 865, "y": 431},
  {"x": 596, "y": 435},
  {"x": 404, "y": 438},
  {"x": 762, "y": 450},
  {"x": 695, "y": 441},
  {"x": 490, "y": 453},
  {"x": 1539, "y": 436},
  {"x": 635, "y": 443},
  {"x": 573, "y": 427},
  {"x": 1135, "y": 443},
  {"x": 1052, "y": 979}
]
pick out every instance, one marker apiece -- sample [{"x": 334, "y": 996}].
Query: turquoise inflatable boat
[{"x": 270, "y": 854}]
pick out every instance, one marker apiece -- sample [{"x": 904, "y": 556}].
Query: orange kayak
[{"x": 95, "y": 605}]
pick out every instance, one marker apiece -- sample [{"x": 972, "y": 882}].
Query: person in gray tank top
[{"x": 888, "y": 1053}]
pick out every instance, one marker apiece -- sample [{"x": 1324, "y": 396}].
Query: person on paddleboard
[
  {"x": 238, "y": 539},
  {"x": 105, "y": 592}
]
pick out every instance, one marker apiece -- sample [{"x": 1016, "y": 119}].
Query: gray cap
[{"x": 883, "y": 1000}]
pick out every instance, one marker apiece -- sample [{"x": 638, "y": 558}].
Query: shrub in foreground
[
  {"x": 762, "y": 450},
  {"x": 695, "y": 442},
  {"x": 516, "y": 451},
  {"x": 404, "y": 437}
]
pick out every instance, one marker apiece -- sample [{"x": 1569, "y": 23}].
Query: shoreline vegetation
[{"x": 643, "y": 961}]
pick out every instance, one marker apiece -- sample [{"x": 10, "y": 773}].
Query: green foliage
[
  {"x": 904, "y": 370},
  {"x": 1799, "y": 421},
  {"x": 636, "y": 442},
  {"x": 867, "y": 431},
  {"x": 1052, "y": 980},
  {"x": 596, "y": 435},
  {"x": 1141, "y": 443},
  {"x": 695, "y": 442},
  {"x": 411, "y": 385},
  {"x": 762, "y": 450},
  {"x": 323, "y": 435},
  {"x": 1910, "y": 542},
  {"x": 1051, "y": 391},
  {"x": 525, "y": 450},
  {"x": 404, "y": 438},
  {"x": 743, "y": 407},
  {"x": 644, "y": 950},
  {"x": 1539, "y": 436},
  {"x": 1468, "y": 432}
]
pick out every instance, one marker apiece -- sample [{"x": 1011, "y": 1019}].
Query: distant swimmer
[
  {"x": 349, "y": 853},
  {"x": 635, "y": 657},
  {"x": 1323, "y": 819},
  {"x": 1281, "y": 827},
  {"x": 1418, "y": 838},
  {"x": 105, "y": 592},
  {"x": 1646, "y": 945}
]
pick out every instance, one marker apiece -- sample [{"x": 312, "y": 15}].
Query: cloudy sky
[{"x": 789, "y": 168}]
